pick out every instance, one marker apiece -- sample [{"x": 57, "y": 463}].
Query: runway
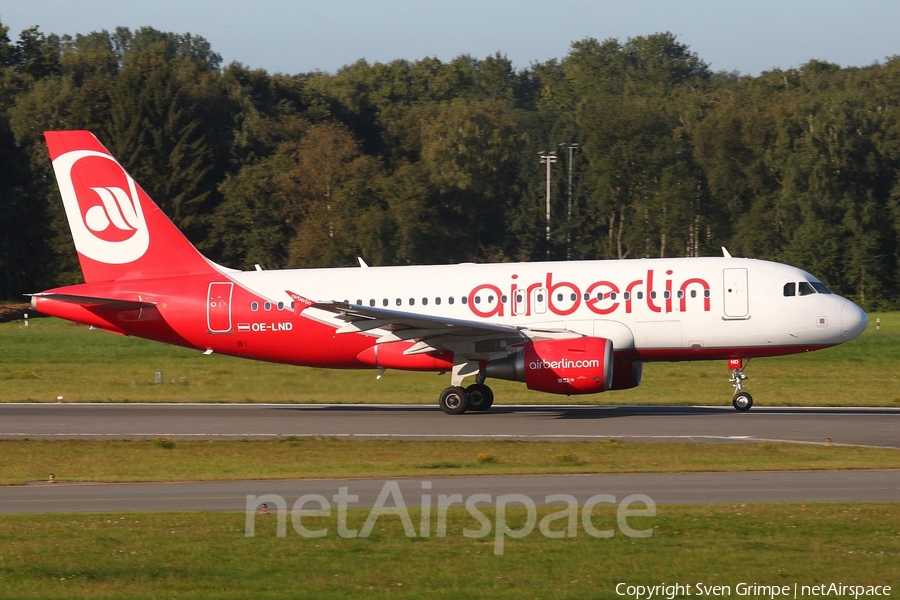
[
  {"x": 662, "y": 488},
  {"x": 853, "y": 426}
]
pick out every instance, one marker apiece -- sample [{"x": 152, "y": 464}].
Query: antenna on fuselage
[
  {"x": 362, "y": 263},
  {"x": 725, "y": 253}
]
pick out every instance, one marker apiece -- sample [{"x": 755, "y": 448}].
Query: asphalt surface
[
  {"x": 662, "y": 488},
  {"x": 854, "y": 426}
]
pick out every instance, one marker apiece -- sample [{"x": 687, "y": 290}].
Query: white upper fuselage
[{"x": 680, "y": 304}]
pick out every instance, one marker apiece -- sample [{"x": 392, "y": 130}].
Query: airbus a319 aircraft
[{"x": 578, "y": 327}]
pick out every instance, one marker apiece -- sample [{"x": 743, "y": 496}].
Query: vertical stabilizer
[{"x": 119, "y": 232}]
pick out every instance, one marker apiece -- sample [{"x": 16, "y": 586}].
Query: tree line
[{"x": 426, "y": 162}]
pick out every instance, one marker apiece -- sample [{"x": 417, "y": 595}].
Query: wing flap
[
  {"x": 474, "y": 340},
  {"x": 365, "y": 318}
]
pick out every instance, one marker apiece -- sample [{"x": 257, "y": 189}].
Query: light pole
[
  {"x": 571, "y": 147},
  {"x": 548, "y": 158}
]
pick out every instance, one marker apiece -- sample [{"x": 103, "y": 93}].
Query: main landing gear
[
  {"x": 455, "y": 400},
  {"x": 742, "y": 401}
]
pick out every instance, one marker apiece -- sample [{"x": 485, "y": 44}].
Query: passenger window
[
  {"x": 450, "y": 300},
  {"x": 627, "y": 295},
  {"x": 640, "y": 295},
  {"x": 540, "y": 297},
  {"x": 612, "y": 296},
  {"x": 267, "y": 306},
  {"x": 254, "y": 306},
  {"x": 706, "y": 293},
  {"x": 464, "y": 299},
  {"x": 559, "y": 297},
  {"x": 477, "y": 299},
  {"x": 490, "y": 299},
  {"x": 372, "y": 302},
  {"x": 384, "y": 302},
  {"x": 503, "y": 298},
  {"x": 790, "y": 289},
  {"x": 667, "y": 294},
  {"x": 437, "y": 300},
  {"x": 693, "y": 293},
  {"x": 806, "y": 289},
  {"x": 359, "y": 301},
  {"x": 424, "y": 301},
  {"x": 599, "y": 295},
  {"x": 653, "y": 295},
  {"x": 412, "y": 301},
  {"x": 281, "y": 306},
  {"x": 680, "y": 294},
  {"x": 399, "y": 302}
]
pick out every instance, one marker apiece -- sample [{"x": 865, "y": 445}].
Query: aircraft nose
[{"x": 853, "y": 321}]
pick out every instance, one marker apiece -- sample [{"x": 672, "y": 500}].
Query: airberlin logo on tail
[
  {"x": 117, "y": 210},
  {"x": 102, "y": 206}
]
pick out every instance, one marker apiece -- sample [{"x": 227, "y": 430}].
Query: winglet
[
  {"x": 301, "y": 303},
  {"x": 725, "y": 253}
]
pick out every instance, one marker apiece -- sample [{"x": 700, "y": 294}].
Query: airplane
[{"x": 578, "y": 327}]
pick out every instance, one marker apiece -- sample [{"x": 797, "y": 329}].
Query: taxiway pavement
[{"x": 662, "y": 488}]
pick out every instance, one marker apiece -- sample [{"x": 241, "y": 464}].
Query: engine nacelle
[
  {"x": 576, "y": 366},
  {"x": 627, "y": 375}
]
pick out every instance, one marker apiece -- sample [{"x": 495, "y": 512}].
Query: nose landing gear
[{"x": 742, "y": 401}]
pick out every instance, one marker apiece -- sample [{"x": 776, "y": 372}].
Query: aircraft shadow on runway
[{"x": 602, "y": 412}]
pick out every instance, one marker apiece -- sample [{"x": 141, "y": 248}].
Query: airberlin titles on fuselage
[{"x": 601, "y": 297}]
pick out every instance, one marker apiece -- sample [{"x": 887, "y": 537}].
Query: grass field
[
  {"x": 286, "y": 458},
  {"x": 189, "y": 555},
  {"x": 52, "y": 358}
]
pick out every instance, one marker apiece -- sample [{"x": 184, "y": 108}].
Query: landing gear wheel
[
  {"x": 742, "y": 401},
  {"x": 454, "y": 400},
  {"x": 480, "y": 397}
]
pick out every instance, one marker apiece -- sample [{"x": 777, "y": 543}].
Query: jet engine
[
  {"x": 627, "y": 375},
  {"x": 575, "y": 366}
]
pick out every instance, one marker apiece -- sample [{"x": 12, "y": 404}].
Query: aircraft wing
[{"x": 473, "y": 339}]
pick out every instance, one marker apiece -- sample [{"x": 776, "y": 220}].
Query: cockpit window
[
  {"x": 806, "y": 288},
  {"x": 790, "y": 289},
  {"x": 820, "y": 287}
]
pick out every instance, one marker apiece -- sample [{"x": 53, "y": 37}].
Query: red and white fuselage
[{"x": 144, "y": 278}]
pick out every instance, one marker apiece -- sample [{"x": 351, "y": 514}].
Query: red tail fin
[{"x": 119, "y": 232}]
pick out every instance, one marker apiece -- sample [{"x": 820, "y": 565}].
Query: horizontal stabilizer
[{"x": 94, "y": 302}]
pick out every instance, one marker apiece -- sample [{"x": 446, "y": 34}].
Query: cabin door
[
  {"x": 735, "y": 287},
  {"x": 218, "y": 307}
]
